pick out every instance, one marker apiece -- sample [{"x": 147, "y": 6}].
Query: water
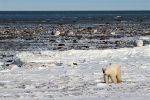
[{"x": 72, "y": 17}]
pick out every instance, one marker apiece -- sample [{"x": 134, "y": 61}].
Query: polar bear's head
[{"x": 105, "y": 71}]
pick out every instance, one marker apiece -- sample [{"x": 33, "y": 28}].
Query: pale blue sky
[{"x": 56, "y": 5}]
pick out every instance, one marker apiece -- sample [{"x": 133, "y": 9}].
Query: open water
[{"x": 72, "y": 17}]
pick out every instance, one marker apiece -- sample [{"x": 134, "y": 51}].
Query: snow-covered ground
[{"x": 74, "y": 74}]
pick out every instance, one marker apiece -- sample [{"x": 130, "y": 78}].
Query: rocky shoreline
[{"x": 68, "y": 36}]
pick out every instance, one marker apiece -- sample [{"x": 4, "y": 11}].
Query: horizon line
[{"x": 79, "y": 10}]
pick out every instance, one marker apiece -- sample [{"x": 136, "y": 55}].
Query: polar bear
[{"x": 114, "y": 72}]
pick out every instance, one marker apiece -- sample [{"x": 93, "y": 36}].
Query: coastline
[{"x": 68, "y": 36}]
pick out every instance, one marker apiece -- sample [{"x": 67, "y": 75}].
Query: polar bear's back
[{"x": 113, "y": 68}]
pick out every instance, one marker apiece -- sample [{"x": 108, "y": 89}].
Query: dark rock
[{"x": 75, "y": 64}]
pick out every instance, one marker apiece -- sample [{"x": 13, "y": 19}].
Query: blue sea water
[{"x": 72, "y": 17}]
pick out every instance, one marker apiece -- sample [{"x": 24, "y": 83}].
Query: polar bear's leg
[
  {"x": 119, "y": 76},
  {"x": 106, "y": 79},
  {"x": 113, "y": 78}
]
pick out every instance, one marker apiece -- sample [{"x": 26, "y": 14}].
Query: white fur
[
  {"x": 110, "y": 69},
  {"x": 114, "y": 72}
]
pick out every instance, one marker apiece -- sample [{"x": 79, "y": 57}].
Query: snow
[
  {"x": 113, "y": 33},
  {"x": 138, "y": 43},
  {"x": 57, "y": 33},
  {"x": 74, "y": 74}
]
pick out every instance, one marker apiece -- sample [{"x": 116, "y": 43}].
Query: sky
[{"x": 75, "y": 5}]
